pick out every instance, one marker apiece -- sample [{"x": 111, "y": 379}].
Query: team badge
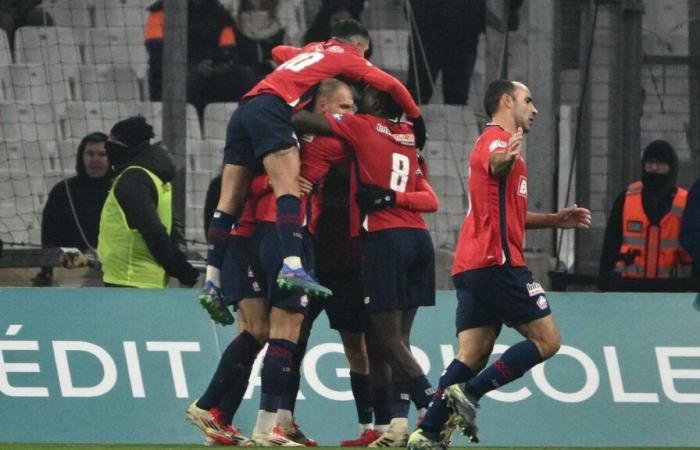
[
  {"x": 339, "y": 116},
  {"x": 542, "y": 302}
]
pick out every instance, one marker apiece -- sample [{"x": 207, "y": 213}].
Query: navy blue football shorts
[
  {"x": 270, "y": 261},
  {"x": 260, "y": 125},
  {"x": 398, "y": 269},
  {"x": 345, "y": 309},
  {"x": 498, "y": 295},
  {"x": 238, "y": 278}
]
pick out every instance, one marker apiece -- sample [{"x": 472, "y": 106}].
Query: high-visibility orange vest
[
  {"x": 155, "y": 23},
  {"x": 651, "y": 251}
]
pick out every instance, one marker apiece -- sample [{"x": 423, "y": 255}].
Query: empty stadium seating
[
  {"x": 27, "y": 121},
  {"x": 69, "y": 13},
  {"x": 108, "y": 82},
  {"x": 389, "y": 50},
  {"x": 47, "y": 45},
  {"x": 216, "y": 117},
  {"x": 80, "y": 118},
  {"x": 5, "y": 52}
]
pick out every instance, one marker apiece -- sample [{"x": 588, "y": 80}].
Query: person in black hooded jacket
[
  {"x": 215, "y": 72},
  {"x": 661, "y": 201},
  {"x": 143, "y": 173},
  {"x": 71, "y": 216}
]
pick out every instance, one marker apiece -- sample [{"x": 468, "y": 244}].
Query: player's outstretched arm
[
  {"x": 308, "y": 122},
  {"x": 501, "y": 162},
  {"x": 282, "y": 53},
  {"x": 571, "y": 217}
]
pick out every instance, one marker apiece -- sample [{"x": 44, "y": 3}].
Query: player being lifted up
[
  {"x": 494, "y": 287},
  {"x": 398, "y": 253},
  {"x": 260, "y": 131}
]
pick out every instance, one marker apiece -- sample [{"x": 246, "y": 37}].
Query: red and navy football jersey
[
  {"x": 493, "y": 203},
  {"x": 303, "y": 68},
  {"x": 387, "y": 157}
]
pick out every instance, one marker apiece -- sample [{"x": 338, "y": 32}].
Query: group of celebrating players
[{"x": 343, "y": 205}]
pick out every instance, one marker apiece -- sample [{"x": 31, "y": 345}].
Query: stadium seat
[
  {"x": 47, "y": 45},
  {"x": 21, "y": 159},
  {"x": 107, "y": 82},
  {"x": 292, "y": 16},
  {"x": 153, "y": 112},
  {"x": 451, "y": 122},
  {"x": 5, "y": 51},
  {"x": 28, "y": 122},
  {"x": 69, "y": 13},
  {"x": 116, "y": 46},
  {"x": 67, "y": 152},
  {"x": 30, "y": 83},
  {"x": 6, "y": 92},
  {"x": 197, "y": 185},
  {"x": 81, "y": 118},
  {"x": 386, "y": 14},
  {"x": 126, "y": 14},
  {"x": 209, "y": 156},
  {"x": 216, "y": 117},
  {"x": 390, "y": 51}
]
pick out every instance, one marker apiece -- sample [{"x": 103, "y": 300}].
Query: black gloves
[
  {"x": 183, "y": 271},
  {"x": 419, "y": 131},
  {"x": 372, "y": 198}
]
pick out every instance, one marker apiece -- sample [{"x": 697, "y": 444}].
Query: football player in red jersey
[
  {"x": 398, "y": 253},
  {"x": 494, "y": 287},
  {"x": 260, "y": 131}
]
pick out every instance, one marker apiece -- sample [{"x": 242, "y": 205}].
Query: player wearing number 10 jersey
[
  {"x": 398, "y": 265},
  {"x": 261, "y": 127}
]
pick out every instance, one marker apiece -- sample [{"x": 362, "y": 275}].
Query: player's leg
[
  {"x": 236, "y": 176},
  {"x": 285, "y": 326},
  {"x": 285, "y": 414},
  {"x": 380, "y": 374},
  {"x": 420, "y": 389},
  {"x": 520, "y": 302}
]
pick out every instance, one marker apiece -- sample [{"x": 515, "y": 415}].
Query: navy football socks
[
  {"x": 235, "y": 363},
  {"x": 289, "y": 398},
  {"x": 275, "y": 373},
  {"x": 217, "y": 236},
  {"x": 382, "y": 405},
  {"x": 401, "y": 399},
  {"x": 438, "y": 412},
  {"x": 421, "y": 391},
  {"x": 361, "y": 386},
  {"x": 289, "y": 225},
  {"x": 514, "y": 362}
]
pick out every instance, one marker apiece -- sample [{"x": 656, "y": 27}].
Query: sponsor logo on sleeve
[
  {"x": 497, "y": 144},
  {"x": 522, "y": 186},
  {"x": 339, "y": 116},
  {"x": 542, "y": 302}
]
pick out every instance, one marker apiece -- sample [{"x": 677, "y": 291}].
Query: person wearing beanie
[
  {"x": 141, "y": 242},
  {"x": 71, "y": 215},
  {"x": 641, "y": 250}
]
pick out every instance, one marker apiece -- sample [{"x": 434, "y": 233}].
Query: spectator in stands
[
  {"x": 260, "y": 31},
  {"x": 141, "y": 242},
  {"x": 214, "y": 70},
  {"x": 71, "y": 216},
  {"x": 641, "y": 250},
  {"x": 332, "y": 11},
  {"x": 690, "y": 230},
  {"x": 446, "y": 36},
  {"x": 21, "y": 13}
]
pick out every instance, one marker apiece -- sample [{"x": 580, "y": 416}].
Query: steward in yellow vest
[
  {"x": 140, "y": 244},
  {"x": 641, "y": 251}
]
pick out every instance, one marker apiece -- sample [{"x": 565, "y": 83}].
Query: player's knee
[
  {"x": 549, "y": 344},
  {"x": 357, "y": 359}
]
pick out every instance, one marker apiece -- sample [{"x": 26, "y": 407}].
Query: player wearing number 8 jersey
[
  {"x": 398, "y": 265},
  {"x": 260, "y": 131}
]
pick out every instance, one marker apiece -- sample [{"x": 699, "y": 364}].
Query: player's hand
[
  {"x": 514, "y": 144},
  {"x": 419, "y": 131},
  {"x": 305, "y": 185},
  {"x": 373, "y": 198},
  {"x": 573, "y": 217}
]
